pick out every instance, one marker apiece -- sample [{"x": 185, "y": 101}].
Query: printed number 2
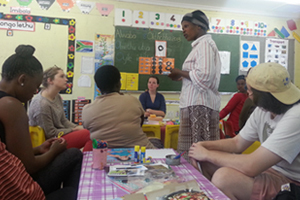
[
  {"x": 141, "y": 14},
  {"x": 157, "y": 16}
]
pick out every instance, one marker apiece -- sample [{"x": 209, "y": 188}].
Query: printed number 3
[{"x": 157, "y": 16}]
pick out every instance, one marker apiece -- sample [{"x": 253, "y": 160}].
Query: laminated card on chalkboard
[
  {"x": 157, "y": 20},
  {"x": 123, "y": 17},
  {"x": 140, "y": 19},
  {"x": 173, "y": 21},
  {"x": 160, "y": 48}
]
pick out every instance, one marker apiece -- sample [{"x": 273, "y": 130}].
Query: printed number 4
[{"x": 173, "y": 18}]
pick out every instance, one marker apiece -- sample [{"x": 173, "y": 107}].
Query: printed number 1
[
  {"x": 157, "y": 16},
  {"x": 141, "y": 14}
]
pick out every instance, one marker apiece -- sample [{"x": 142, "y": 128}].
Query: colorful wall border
[{"x": 71, "y": 38}]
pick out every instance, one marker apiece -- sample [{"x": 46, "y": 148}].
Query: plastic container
[{"x": 171, "y": 161}]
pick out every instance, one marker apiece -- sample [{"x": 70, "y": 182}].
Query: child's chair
[
  {"x": 171, "y": 136},
  {"x": 228, "y": 129},
  {"x": 37, "y": 135},
  {"x": 152, "y": 130},
  {"x": 252, "y": 148}
]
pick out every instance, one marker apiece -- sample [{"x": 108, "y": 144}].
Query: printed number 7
[{"x": 218, "y": 21}]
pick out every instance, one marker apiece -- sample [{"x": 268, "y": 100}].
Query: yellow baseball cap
[{"x": 274, "y": 78}]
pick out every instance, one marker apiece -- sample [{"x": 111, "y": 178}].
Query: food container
[{"x": 171, "y": 161}]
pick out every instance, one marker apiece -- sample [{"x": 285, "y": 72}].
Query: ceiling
[{"x": 275, "y": 8}]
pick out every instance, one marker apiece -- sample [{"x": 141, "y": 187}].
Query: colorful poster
[
  {"x": 246, "y": 27},
  {"x": 249, "y": 55},
  {"x": 123, "y": 17},
  {"x": 77, "y": 106},
  {"x": 104, "y": 51},
  {"x": 84, "y": 46},
  {"x": 104, "y": 9},
  {"x": 173, "y": 21},
  {"x": 260, "y": 29},
  {"x": 85, "y": 6},
  {"x": 123, "y": 80},
  {"x": 65, "y": 5},
  {"x": 140, "y": 19},
  {"x": 157, "y": 20},
  {"x": 277, "y": 51},
  {"x": 4, "y": 2},
  {"x": 217, "y": 25},
  {"x": 232, "y": 26},
  {"x": 45, "y": 4},
  {"x": 132, "y": 81},
  {"x": 24, "y": 2},
  {"x": 155, "y": 65}
]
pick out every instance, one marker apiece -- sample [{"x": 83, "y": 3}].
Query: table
[{"x": 95, "y": 185}]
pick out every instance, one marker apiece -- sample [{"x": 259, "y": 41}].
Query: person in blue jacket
[{"x": 152, "y": 101}]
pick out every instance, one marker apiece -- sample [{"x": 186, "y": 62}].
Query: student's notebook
[{"x": 120, "y": 155}]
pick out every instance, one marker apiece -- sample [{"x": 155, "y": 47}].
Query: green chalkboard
[
  {"x": 132, "y": 43},
  {"x": 229, "y": 43}
]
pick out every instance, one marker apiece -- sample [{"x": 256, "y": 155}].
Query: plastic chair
[
  {"x": 37, "y": 135},
  {"x": 152, "y": 130},
  {"x": 228, "y": 129},
  {"x": 221, "y": 130},
  {"x": 171, "y": 136},
  {"x": 252, "y": 148}
]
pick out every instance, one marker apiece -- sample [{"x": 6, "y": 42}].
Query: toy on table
[{"x": 99, "y": 154}]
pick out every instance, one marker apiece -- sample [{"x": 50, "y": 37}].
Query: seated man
[
  {"x": 275, "y": 123},
  {"x": 114, "y": 117}
]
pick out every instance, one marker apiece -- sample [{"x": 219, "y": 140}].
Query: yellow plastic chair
[
  {"x": 252, "y": 148},
  {"x": 37, "y": 135},
  {"x": 171, "y": 136},
  {"x": 152, "y": 130}
]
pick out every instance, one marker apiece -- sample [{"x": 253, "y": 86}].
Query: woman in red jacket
[{"x": 235, "y": 104}]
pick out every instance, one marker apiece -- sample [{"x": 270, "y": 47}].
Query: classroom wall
[{"x": 51, "y": 45}]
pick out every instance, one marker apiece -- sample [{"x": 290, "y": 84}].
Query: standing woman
[
  {"x": 49, "y": 164},
  {"x": 200, "y": 75},
  {"x": 152, "y": 101},
  {"x": 46, "y": 110}
]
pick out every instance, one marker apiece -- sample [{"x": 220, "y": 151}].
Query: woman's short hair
[
  {"x": 107, "y": 77},
  {"x": 49, "y": 73},
  {"x": 22, "y": 62}
]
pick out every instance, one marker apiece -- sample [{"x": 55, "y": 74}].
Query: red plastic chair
[{"x": 228, "y": 129}]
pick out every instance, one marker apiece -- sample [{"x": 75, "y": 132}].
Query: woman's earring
[{"x": 22, "y": 84}]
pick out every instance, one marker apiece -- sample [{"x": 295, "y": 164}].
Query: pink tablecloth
[{"x": 95, "y": 185}]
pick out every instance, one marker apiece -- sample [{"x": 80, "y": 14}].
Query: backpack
[{"x": 289, "y": 191}]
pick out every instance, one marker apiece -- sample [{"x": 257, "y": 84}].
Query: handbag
[{"x": 289, "y": 191}]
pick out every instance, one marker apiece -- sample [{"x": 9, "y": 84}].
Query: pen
[{"x": 145, "y": 196}]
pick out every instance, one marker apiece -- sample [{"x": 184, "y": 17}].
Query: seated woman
[
  {"x": 114, "y": 117},
  {"x": 235, "y": 104},
  {"x": 46, "y": 110},
  {"x": 152, "y": 101},
  {"x": 50, "y": 164}
]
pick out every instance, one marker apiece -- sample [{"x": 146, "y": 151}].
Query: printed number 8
[
  {"x": 232, "y": 22},
  {"x": 168, "y": 67}
]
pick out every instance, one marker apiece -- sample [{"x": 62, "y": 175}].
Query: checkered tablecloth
[{"x": 95, "y": 185}]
